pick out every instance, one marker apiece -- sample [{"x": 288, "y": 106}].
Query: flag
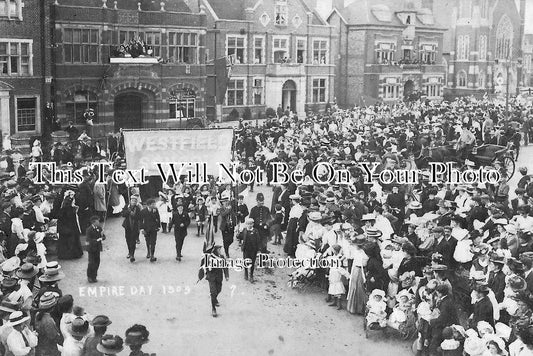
[
  {"x": 223, "y": 68},
  {"x": 209, "y": 235}
]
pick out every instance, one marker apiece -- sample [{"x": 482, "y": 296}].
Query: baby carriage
[{"x": 309, "y": 273}]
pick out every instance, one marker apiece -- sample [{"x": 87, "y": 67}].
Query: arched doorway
[
  {"x": 408, "y": 89},
  {"x": 129, "y": 110},
  {"x": 288, "y": 97}
]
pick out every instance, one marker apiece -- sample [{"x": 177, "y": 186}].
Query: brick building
[
  {"x": 24, "y": 66},
  {"x": 482, "y": 45},
  {"x": 283, "y": 54},
  {"x": 156, "y": 85},
  {"x": 388, "y": 50}
]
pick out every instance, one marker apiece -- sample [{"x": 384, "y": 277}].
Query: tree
[
  {"x": 270, "y": 112},
  {"x": 234, "y": 115},
  {"x": 247, "y": 114}
]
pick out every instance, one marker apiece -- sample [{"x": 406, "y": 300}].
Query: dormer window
[
  {"x": 408, "y": 21},
  {"x": 407, "y": 18},
  {"x": 282, "y": 13}
]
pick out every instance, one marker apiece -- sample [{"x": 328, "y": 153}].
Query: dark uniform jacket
[
  {"x": 228, "y": 219},
  {"x": 261, "y": 216},
  {"x": 93, "y": 234},
  {"x": 215, "y": 274},
  {"x": 250, "y": 242},
  {"x": 178, "y": 219},
  {"x": 150, "y": 220},
  {"x": 483, "y": 311},
  {"x": 447, "y": 315},
  {"x": 132, "y": 218}
]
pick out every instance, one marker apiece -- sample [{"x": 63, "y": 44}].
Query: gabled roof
[{"x": 381, "y": 12}]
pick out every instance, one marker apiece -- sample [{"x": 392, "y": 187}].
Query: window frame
[
  {"x": 17, "y": 15},
  {"x": 319, "y": 62},
  {"x": 255, "y": 88},
  {"x": 18, "y": 42},
  {"x": 315, "y": 99},
  {"x": 88, "y": 103},
  {"x": 424, "y": 52},
  {"x": 236, "y": 89},
  {"x": 175, "y": 45},
  {"x": 244, "y": 48},
  {"x": 84, "y": 47},
  {"x": 37, "y": 117},
  {"x": 278, "y": 49},
  {"x": 262, "y": 60},
  {"x": 297, "y": 49},
  {"x": 184, "y": 101},
  {"x": 460, "y": 77},
  {"x": 281, "y": 8},
  {"x": 383, "y": 55}
]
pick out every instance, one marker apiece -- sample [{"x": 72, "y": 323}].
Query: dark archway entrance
[
  {"x": 408, "y": 89},
  {"x": 288, "y": 97},
  {"x": 129, "y": 110}
]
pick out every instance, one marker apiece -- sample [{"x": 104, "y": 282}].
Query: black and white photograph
[{"x": 266, "y": 177}]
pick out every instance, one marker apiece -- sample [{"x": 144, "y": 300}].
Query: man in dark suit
[
  {"x": 228, "y": 221},
  {"x": 497, "y": 277},
  {"x": 447, "y": 317},
  {"x": 215, "y": 271},
  {"x": 527, "y": 259},
  {"x": 150, "y": 224},
  {"x": 180, "y": 222},
  {"x": 261, "y": 215},
  {"x": 131, "y": 225},
  {"x": 84, "y": 199},
  {"x": 95, "y": 236},
  {"x": 251, "y": 241},
  {"x": 442, "y": 246},
  {"x": 483, "y": 310}
]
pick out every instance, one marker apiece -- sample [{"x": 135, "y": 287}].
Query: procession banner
[{"x": 146, "y": 148}]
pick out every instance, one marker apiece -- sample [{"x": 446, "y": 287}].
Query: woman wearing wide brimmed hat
[
  {"x": 77, "y": 330},
  {"x": 136, "y": 337},
  {"x": 110, "y": 345},
  {"x": 357, "y": 297},
  {"x": 48, "y": 333}
]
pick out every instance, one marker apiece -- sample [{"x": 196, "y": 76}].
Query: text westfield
[{"x": 322, "y": 173}]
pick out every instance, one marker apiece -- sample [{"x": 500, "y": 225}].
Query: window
[
  {"x": 81, "y": 45},
  {"x": 10, "y": 9},
  {"x": 236, "y": 47},
  {"x": 280, "y": 50},
  {"x": 461, "y": 79},
  {"x": 320, "y": 52},
  {"x": 301, "y": 51},
  {"x": 183, "y": 47},
  {"x": 258, "y": 91},
  {"x": 484, "y": 9},
  {"x": 79, "y": 103},
  {"x": 150, "y": 40},
  {"x": 463, "y": 47},
  {"x": 428, "y": 53},
  {"x": 319, "y": 90},
  {"x": 432, "y": 90},
  {"x": 504, "y": 38},
  {"x": 385, "y": 53},
  {"x": 282, "y": 13},
  {"x": 483, "y": 48},
  {"x": 182, "y": 104},
  {"x": 26, "y": 114},
  {"x": 259, "y": 50},
  {"x": 481, "y": 79},
  {"x": 465, "y": 8},
  {"x": 16, "y": 57},
  {"x": 235, "y": 93},
  {"x": 391, "y": 88}
]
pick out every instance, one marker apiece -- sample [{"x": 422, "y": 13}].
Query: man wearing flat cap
[{"x": 261, "y": 215}]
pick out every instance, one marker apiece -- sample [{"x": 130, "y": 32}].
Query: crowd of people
[{"x": 446, "y": 265}]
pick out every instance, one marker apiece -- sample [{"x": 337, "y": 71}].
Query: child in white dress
[
  {"x": 336, "y": 286},
  {"x": 376, "y": 316}
]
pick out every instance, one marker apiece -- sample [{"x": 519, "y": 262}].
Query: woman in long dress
[
  {"x": 357, "y": 297},
  {"x": 68, "y": 228}
]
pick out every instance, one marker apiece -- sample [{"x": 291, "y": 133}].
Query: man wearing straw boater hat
[
  {"x": 21, "y": 341},
  {"x": 95, "y": 236},
  {"x": 48, "y": 332},
  {"x": 49, "y": 281}
]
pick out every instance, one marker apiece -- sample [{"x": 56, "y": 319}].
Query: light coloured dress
[{"x": 357, "y": 297}]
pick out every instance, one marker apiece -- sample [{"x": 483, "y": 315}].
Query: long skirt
[
  {"x": 291, "y": 240},
  {"x": 357, "y": 297}
]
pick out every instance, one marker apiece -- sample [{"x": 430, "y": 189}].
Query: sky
[{"x": 324, "y": 6}]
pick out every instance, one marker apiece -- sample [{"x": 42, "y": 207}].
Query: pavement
[{"x": 265, "y": 318}]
